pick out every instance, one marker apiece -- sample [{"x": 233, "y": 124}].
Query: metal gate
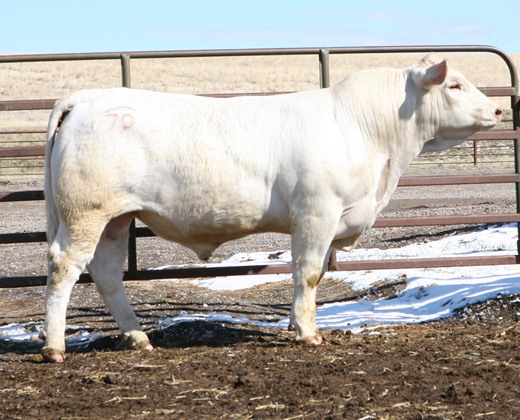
[{"x": 322, "y": 54}]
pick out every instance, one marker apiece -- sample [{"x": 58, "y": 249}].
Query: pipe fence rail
[{"x": 133, "y": 273}]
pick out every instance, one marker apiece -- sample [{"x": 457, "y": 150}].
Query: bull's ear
[{"x": 433, "y": 75}]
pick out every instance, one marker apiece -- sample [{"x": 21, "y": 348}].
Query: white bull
[{"x": 319, "y": 165}]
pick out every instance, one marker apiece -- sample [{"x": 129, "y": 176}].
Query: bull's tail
[{"x": 58, "y": 114}]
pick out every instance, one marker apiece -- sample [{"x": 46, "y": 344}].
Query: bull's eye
[{"x": 456, "y": 85}]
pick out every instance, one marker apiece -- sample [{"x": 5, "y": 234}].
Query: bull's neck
[
  {"x": 389, "y": 116},
  {"x": 389, "y": 122}
]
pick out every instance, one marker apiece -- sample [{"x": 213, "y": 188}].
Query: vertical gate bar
[
  {"x": 515, "y": 107},
  {"x": 324, "y": 68},
  {"x": 333, "y": 261},
  {"x": 325, "y": 83},
  {"x": 125, "y": 70},
  {"x": 475, "y": 152},
  {"x": 132, "y": 241},
  {"x": 132, "y": 252}
]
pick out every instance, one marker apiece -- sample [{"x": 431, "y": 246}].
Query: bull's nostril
[{"x": 498, "y": 112}]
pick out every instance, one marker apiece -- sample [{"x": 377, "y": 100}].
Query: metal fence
[{"x": 511, "y": 134}]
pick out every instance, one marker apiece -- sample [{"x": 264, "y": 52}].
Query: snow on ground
[{"x": 430, "y": 294}]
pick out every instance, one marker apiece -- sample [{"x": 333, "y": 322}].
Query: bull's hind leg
[
  {"x": 311, "y": 241},
  {"x": 107, "y": 271},
  {"x": 69, "y": 253}
]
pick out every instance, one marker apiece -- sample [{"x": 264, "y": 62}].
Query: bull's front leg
[
  {"x": 310, "y": 253},
  {"x": 303, "y": 311}
]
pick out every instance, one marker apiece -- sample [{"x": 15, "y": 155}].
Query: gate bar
[
  {"x": 245, "y": 270},
  {"x": 14, "y": 58}
]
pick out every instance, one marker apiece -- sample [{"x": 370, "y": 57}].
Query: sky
[
  {"x": 62, "y": 26},
  {"x": 429, "y": 294}
]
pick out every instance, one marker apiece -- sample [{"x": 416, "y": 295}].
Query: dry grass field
[{"x": 212, "y": 75}]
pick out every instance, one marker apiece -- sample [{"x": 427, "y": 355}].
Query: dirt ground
[
  {"x": 460, "y": 368},
  {"x": 464, "y": 367}
]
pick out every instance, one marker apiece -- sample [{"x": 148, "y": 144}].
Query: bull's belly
[{"x": 204, "y": 236}]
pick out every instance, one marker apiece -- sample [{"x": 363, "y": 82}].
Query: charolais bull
[{"x": 319, "y": 165}]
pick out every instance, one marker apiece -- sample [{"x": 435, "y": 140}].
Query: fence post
[
  {"x": 125, "y": 70},
  {"x": 324, "y": 68},
  {"x": 325, "y": 83},
  {"x": 132, "y": 242},
  {"x": 515, "y": 107},
  {"x": 475, "y": 152}
]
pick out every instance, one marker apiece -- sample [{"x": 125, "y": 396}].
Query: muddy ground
[{"x": 465, "y": 367}]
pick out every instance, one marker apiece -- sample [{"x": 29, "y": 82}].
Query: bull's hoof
[
  {"x": 143, "y": 345},
  {"x": 314, "y": 340},
  {"x": 136, "y": 340},
  {"x": 51, "y": 355}
]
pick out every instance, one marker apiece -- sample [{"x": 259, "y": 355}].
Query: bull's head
[{"x": 454, "y": 107}]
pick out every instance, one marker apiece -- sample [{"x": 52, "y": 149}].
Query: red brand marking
[{"x": 121, "y": 117}]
